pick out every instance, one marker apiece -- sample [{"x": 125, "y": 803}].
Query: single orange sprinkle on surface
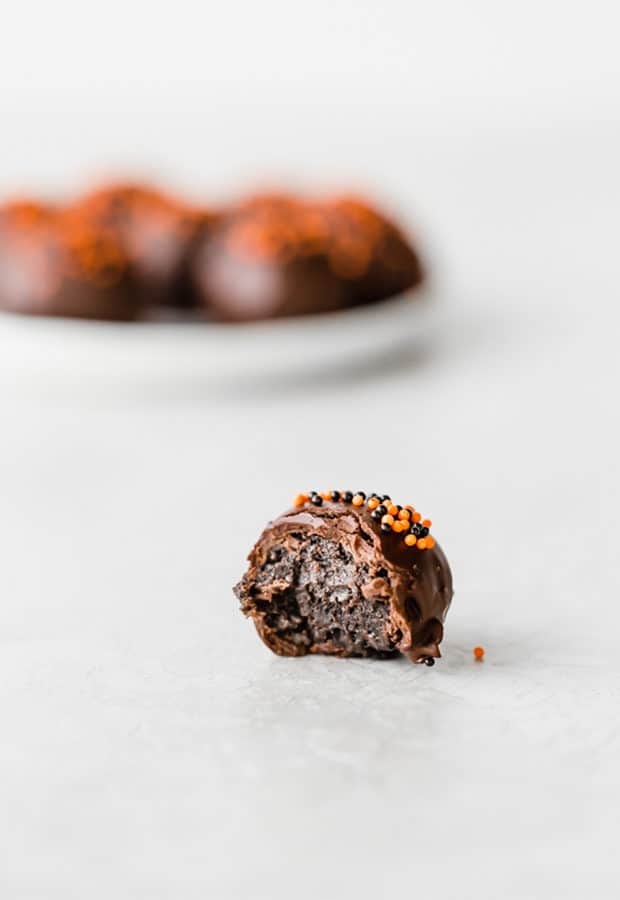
[
  {"x": 422, "y": 544},
  {"x": 398, "y": 526},
  {"x": 411, "y": 540},
  {"x": 392, "y": 509},
  {"x": 373, "y": 503},
  {"x": 404, "y": 514},
  {"x": 416, "y": 517},
  {"x": 300, "y": 499},
  {"x": 427, "y": 522},
  {"x": 358, "y": 500},
  {"x": 430, "y": 542},
  {"x": 479, "y": 653},
  {"x": 387, "y": 519},
  {"x": 326, "y": 495}
]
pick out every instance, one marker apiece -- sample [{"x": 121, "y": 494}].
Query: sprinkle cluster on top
[{"x": 393, "y": 518}]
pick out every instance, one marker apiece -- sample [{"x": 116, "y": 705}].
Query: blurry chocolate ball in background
[
  {"x": 266, "y": 258},
  {"x": 277, "y": 255},
  {"x": 56, "y": 263},
  {"x": 158, "y": 233}
]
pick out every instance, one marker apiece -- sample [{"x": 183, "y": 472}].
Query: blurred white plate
[{"x": 118, "y": 351}]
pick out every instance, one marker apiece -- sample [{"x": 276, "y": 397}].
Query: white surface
[
  {"x": 151, "y": 747},
  {"x": 202, "y": 352}
]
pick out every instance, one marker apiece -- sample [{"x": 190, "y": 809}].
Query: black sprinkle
[
  {"x": 429, "y": 661},
  {"x": 385, "y": 527},
  {"x": 423, "y": 531},
  {"x": 318, "y": 501},
  {"x": 346, "y": 496},
  {"x": 360, "y": 494},
  {"x": 417, "y": 529},
  {"x": 375, "y": 514},
  {"x": 335, "y": 495},
  {"x": 381, "y": 510}
]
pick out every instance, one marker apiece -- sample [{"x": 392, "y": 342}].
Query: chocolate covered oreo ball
[
  {"x": 267, "y": 258},
  {"x": 370, "y": 250},
  {"x": 348, "y": 575},
  {"x": 157, "y": 233},
  {"x": 277, "y": 255},
  {"x": 57, "y": 264}
]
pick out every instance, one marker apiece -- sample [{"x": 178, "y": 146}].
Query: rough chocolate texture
[{"x": 327, "y": 580}]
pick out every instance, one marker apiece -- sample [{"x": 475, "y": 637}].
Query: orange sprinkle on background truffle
[
  {"x": 373, "y": 503},
  {"x": 300, "y": 499},
  {"x": 358, "y": 500},
  {"x": 411, "y": 540},
  {"x": 479, "y": 653}
]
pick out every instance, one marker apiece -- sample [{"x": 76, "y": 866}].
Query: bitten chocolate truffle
[
  {"x": 348, "y": 575},
  {"x": 157, "y": 233},
  {"x": 55, "y": 263}
]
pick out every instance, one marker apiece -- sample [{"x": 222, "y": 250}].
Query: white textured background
[{"x": 151, "y": 747}]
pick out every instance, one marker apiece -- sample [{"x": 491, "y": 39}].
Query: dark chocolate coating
[
  {"x": 326, "y": 579},
  {"x": 158, "y": 234},
  {"x": 54, "y": 264}
]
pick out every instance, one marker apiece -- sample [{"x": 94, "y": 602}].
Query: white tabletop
[{"x": 153, "y": 748}]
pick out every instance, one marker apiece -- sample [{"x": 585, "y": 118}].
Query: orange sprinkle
[
  {"x": 479, "y": 653},
  {"x": 392, "y": 509},
  {"x": 358, "y": 500},
  {"x": 300, "y": 499},
  {"x": 430, "y": 542},
  {"x": 416, "y": 517},
  {"x": 404, "y": 514},
  {"x": 410, "y": 508},
  {"x": 427, "y": 522},
  {"x": 326, "y": 495},
  {"x": 411, "y": 540},
  {"x": 422, "y": 544},
  {"x": 398, "y": 526},
  {"x": 373, "y": 503},
  {"x": 387, "y": 519}
]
